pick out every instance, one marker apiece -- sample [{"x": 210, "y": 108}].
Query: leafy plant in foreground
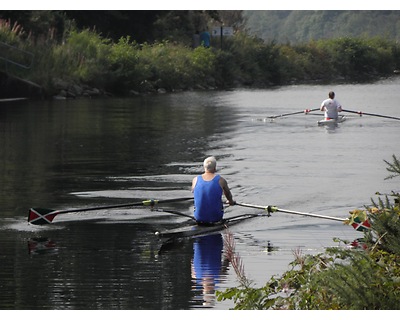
[{"x": 353, "y": 277}]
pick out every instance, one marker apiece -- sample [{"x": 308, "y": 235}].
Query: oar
[
  {"x": 175, "y": 212},
  {"x": 292, "y": 113},
  {"x": 44, "y": 216},
  {"x": 371, "y": 114},
  {"x": 275, "y": 209}
]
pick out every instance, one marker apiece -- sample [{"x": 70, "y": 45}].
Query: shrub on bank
[
  {"x": 146, "y": 67},
  {"x": 363, "y": 275},
  {"x": 82, "y": 58}
]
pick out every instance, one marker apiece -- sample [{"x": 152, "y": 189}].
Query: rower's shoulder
[{"x": 222, "y": 181}]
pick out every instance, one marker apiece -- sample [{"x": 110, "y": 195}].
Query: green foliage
[
  {"x": 126, "y": 71},
  {"x": 119, "y": 67},
  {"x": 351, "y": 280},
  {"x": 13, "y": 48},
  {"x": 86, "y": 53},
  {"x": 160, "y": 65},
  {"x": 353, "y": 59},
  {"x": 394, "y": 168},
  {"x": 348, "y": 277},
  {"x": 252, "y": 61},
  {"x": 368, "y": 280},
  {"x": 175, "y": 26},
  {"x": 385, "y": 219},
  {"x": 11, "y": 33},
  {"x": 81, "y": 58},
  {"x": 350, "y": 57},
  {"x": 173, "y": 66}
]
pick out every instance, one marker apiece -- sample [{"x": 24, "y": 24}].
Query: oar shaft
[
  {"x": 275, "y": 209},
  {"x": 293, "y": 113},
  {"x": 268, "y": 208},
  {"x": 371, "y": 114},
  {"x": 102, "y": 207},
  {"x": 43, "y": 216},
  {"x": 247, "y": 216},
  {"x": 175, "y": 212},
  {"x": 141, "y": 203},
  {"x": 310, "y": 215}
]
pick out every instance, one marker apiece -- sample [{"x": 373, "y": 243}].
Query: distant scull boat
[{"x": 331, "y": 121}]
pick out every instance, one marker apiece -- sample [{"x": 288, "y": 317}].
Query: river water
[{"x": 88, "y": 153}]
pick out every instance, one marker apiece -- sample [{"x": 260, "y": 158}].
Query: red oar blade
[
  {"x": 41, "y": 216},
  {"x": 361, "y": 225}
]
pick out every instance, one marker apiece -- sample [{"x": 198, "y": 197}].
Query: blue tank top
[{"x": 208, "y": 205}]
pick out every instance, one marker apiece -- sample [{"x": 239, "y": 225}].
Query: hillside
[{"x": 305, "y": 25}]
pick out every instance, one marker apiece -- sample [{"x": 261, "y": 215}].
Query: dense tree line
[
  {"x": 302, "y": 26},
  {"x": 282, "y": 26},
  {"x": 66, "y": 51},
  {"x": 141, "y": 25}
]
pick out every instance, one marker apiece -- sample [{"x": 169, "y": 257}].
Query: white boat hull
[{"x": 332, "y": 121}]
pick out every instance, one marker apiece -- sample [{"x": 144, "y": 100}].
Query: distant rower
[{"x": 331, "y": 107}]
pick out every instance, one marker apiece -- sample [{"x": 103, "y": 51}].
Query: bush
[
  {"x": 126, "y": 71},
  {"x": 85, "y": 53},
  {"x": 88, "y": 58},
  {"x": 360, "y": 59},
  {"x": 365, "y": 275}
]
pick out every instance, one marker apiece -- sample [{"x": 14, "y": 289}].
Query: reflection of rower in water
[{"x": 207, "y": 266}]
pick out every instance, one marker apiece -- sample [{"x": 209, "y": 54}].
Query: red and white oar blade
[
  {"x": 361, "y": 225},
  {"x": 41, "y": 216}
]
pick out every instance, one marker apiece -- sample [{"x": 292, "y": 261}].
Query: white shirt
[{"x": 331, "y": 107}]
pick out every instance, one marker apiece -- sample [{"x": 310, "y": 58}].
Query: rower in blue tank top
[{"x": 208, "y": 189}]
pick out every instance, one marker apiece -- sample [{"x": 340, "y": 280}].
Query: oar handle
[
  {"x": 310, "y": 110},
  {"x": 267, "y": 208}
]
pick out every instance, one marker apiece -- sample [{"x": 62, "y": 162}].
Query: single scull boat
[
  {"x": 331, "y": 121},
  {"x": 194, "y": 229}
]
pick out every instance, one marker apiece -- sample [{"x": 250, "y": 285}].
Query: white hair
[{"x": 210, "y": 164}]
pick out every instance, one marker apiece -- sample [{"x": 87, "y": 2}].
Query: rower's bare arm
[
  {"x": 194, "y": 181},
  {"x": 227, "y": 191}
]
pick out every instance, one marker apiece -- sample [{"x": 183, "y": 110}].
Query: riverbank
[
  {"x": 14, "y": 89},
  {"x": 18, "y": 88},
  {"x": 86, "y": 64}
]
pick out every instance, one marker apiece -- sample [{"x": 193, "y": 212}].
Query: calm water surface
[{"x": 87, "y": 153}]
